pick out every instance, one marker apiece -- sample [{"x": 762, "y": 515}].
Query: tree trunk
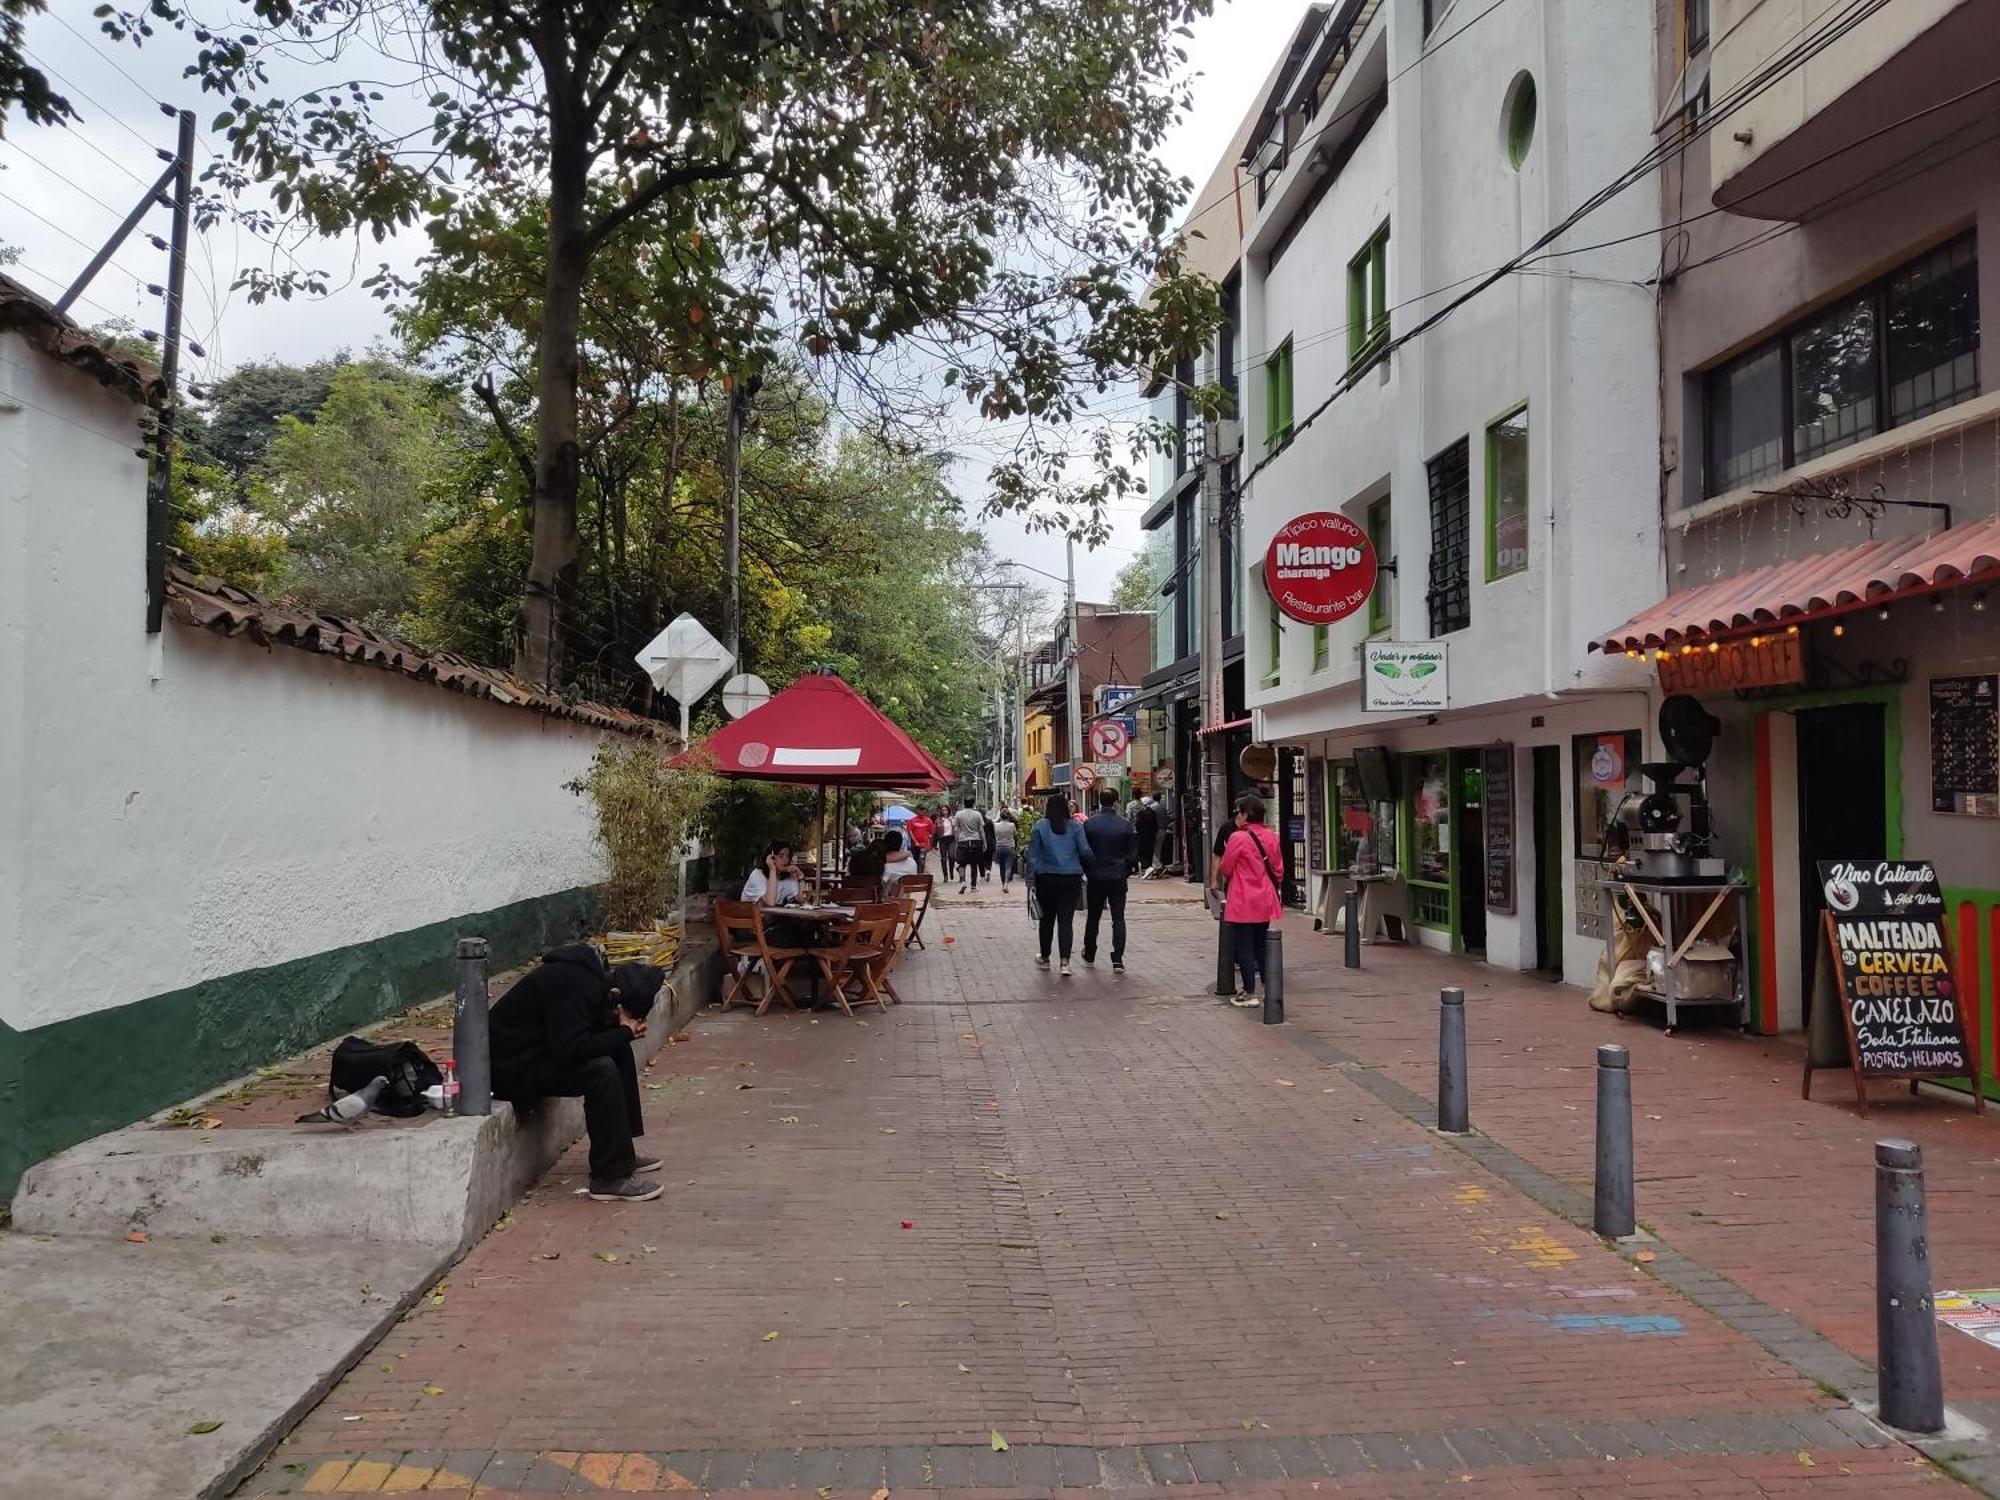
[{"x": 549, "y": 593}]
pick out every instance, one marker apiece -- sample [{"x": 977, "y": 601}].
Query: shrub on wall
[{"x": 645, "y": 811}]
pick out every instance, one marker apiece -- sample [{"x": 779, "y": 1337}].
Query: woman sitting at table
[
  {"x": 899, "y": 862},
  {"x": 775, "y": 881}
]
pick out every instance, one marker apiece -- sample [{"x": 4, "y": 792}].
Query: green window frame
[
  {"x": 1368, "y": 299},
  {"x": 1379, "y": 602},
  {"x": 1278, "y": 396},
  {"x": 1507, "y": 494},
  {"x": 1277, "y": 629}
]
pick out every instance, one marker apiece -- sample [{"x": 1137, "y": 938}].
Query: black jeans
[
  {"x": 968, "y": 865},
  {"x": 609, "y": 1088},
  {"x": 1105, "y": 893},
  {"x": 1247, "y": 938},
  {"x": 1057, "y": 895}
]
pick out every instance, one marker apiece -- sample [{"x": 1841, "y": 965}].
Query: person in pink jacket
[{"x": 1250, "y": 870}]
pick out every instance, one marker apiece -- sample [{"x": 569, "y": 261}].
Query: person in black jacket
[
  {"x": 1112, "y": 846},
  {"x": 1146, "y": 824},
  {"x": 565, "y": 1030}
]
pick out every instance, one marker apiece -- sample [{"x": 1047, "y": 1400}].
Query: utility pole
[
  {"x": 1215, "y": 745},
  {"x": 732, "y": 523},
  {"x": 159, "y": 487},
  {"x": 1075, "y": 670}
]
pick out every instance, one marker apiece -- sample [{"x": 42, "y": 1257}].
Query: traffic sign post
[
  {"x": 1082, "y": 779},
  {"x": 1108, "y": 740}
]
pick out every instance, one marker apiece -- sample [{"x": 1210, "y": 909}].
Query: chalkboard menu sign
[
  {"x": 1886, "y": 972},
  {"x": 1317, "y": 855},
  {"x": 1965, "y": 745},
  {"x": 1496, "y": 764}
]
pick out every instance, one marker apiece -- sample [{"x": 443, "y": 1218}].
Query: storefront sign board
[
  {"x": 1762, "y": 661},
  {"x": 1976, "y": 1314},
  {"x": 1965, "y": 745},
  {"x": 1320, "y": 568},
  {"x": 1404, "y": 677},
  {"x": 1496, "y": 797},
  {"x": 1886, "y": 970}
]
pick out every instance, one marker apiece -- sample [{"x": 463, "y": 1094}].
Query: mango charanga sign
[{"x": 1320, "y": 568}]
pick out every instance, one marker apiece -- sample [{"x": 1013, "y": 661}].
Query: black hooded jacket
[{"x": 561, "y": 1011}]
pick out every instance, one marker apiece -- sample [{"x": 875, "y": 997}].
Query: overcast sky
[{"x": 62, "y": 191}]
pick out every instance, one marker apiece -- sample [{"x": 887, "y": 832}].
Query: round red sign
[{"x": 1320, "y": 568}]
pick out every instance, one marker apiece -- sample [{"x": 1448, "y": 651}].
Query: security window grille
[
  {"x": 1894, "y": 351},
  {"x": 1450, "y": 594}
]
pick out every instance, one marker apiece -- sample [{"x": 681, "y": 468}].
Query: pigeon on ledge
[{"x": 348, "y": 1107}]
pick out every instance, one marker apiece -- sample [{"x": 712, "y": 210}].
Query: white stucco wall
[{"x": 171, "y": 818}]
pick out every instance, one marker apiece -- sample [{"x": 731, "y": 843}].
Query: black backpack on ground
[{"x": 356, "y": 1061}]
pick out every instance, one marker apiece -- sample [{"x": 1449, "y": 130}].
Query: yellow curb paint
[
  {"x": 673, "y": 1479},
  {"x": 445, "y": 1479},
  {"x": 326, "y": 1478},
  {"x": 562, "y": 1460},
  {"x": 600, "y": 1469},
  {"x": 637, "y": 1475},
  {"x": 365, "y": 1478},
  {"x": 408, "y": 1479}
]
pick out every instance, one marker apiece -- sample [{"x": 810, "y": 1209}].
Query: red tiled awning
[
  {"x": 1809, "y": 588},
  {"x": 820, "y": 732}
]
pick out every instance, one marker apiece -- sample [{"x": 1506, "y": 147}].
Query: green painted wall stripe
[{"x": 69, "y": 1081}]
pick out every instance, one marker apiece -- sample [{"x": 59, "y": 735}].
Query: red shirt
[
  {"x": 1252, "y": 854},
  {"x": 920, "y": 828}
]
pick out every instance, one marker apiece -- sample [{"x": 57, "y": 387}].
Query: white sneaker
[
  {"x": 1042, "y": 962},
  {"x": 1065, "y": 969}
]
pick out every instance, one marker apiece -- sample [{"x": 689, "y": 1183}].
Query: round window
[{"x": 1519, "y": 117}]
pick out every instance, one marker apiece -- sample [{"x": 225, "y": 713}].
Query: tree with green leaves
[
  {"x": 23, "y": 84},
  {"x": 1137, "y": 586},
  {"x": 974, "y": 180}
]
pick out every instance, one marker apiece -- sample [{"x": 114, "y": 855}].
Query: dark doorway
[
  {"x": 1468, "y": 855},
  {"x": 1548, "y": 859},
  {"x": 1842, "y": 813}
]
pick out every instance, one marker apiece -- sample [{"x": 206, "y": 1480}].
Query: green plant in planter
[{"x": 645, "y": 811}]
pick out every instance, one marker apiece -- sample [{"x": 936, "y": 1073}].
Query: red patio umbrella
[{"x": 820, "y": 732}]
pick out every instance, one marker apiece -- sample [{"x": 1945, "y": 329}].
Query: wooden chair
[
  {"x": 742, "y": 955},
  {"x": 777, "y": 962},
  {"x": 916, "y": 889},
  {"x": 866, "y": 945},
  {"x": 854, "y": 895},
  {"x": 902, "y": 915}
]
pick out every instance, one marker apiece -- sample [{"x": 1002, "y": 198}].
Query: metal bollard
[
  {"x": 471, "y": 1045},
  {"x": 1615, "y": 1215},
  {"x": 1274, "y": 978},
  {"x": 1352, "y": 917},
  {"x": 1225, "y": 961},
  {"x": 1906, "y": 1346},
  {"x": 1454, "y": 1115}
]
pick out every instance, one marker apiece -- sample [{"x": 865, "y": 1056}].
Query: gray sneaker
[
  {"x": 625, "y": 1190},
  {"x": 647, "y": 1164}
]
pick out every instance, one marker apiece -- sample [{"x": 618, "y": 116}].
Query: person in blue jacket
[{"x": 1058, "y": 855}]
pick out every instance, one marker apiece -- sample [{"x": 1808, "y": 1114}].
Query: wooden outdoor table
[{"x": 827, "y": 915}]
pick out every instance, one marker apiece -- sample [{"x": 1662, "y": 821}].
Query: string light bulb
[
  {"x": 1838, "y": 628},
  {"x": 1713, "y": 647},
  {"x": 1791, "y": 630},
  {"x": 1979, "y": 604},
  {"x": 1882, "y": 613}
]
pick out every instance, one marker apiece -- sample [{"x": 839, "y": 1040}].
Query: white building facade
[{"x": 1503, "y": 462}]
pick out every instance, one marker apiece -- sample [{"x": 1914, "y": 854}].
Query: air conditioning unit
[{"x": 1229, "y": 437}]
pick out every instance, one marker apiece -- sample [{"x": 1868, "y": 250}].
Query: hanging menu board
[
  {"x": 1496, "y": 765},
  {"x": 1317, "y": 857},
  {"x": 1965, "y": 745},
  {"x": 1886, "y": 972}
]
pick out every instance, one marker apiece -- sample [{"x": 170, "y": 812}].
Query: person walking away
[
  {"x": 986, "y": 847},
  {"x": 969, "y": 833},
  {"x": 946, "y": 843},
  {"x": 1113, "y": 847},
  {"x": 1057, "y": 851},
  {"x": 919, "y": 832},
  {"x": 1248, "y": 871},
  {"x": 1003, "y": 846},
  {"x": 897, "y": 861},
  {"x": 1146, "y": 832},
  {"x": 565, "y": 1031}
]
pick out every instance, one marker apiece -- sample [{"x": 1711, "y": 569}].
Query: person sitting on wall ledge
[{"x": 565, "y": 1031}]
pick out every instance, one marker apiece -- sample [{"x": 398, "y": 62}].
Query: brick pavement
[{"x": 1150, "y": 1242}]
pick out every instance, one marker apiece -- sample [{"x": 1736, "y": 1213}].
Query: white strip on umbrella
[{"x": 784, "y": 756}]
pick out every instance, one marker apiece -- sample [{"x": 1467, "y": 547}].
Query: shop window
[
  {"x": 1368, "y": 299},
  {"x": 1450, "y": 594},
  {"x": 1430, "y": 818},
  {"x": 1364, "y": 833},
  {"x": 1894, "y": 351},
  {"x": 1605, "y": 767},
  {"x": 1507, "y": 496},
  {"x": 1278, "y": 397},
  {"x": 1379, "y": 602}
]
